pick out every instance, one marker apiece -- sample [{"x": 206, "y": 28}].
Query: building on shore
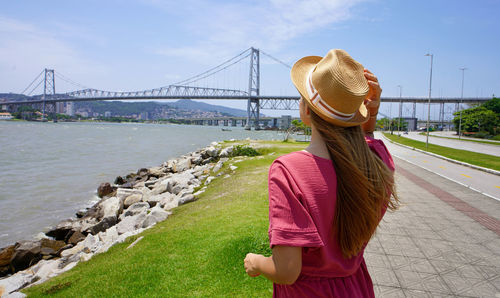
[{"x": 5, "y": 116}]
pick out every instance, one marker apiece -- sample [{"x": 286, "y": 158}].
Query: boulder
[
  {"x": 119, "y": 180},
  {"x": 123, "y": 193},
  {"x": 212, "y": 151},
  {"x": 156, "y": 215},
  {"x": 218, "y": 166},
  {"x": 27, "y": 253},
  {"x": 13, "y": 283},
  {"x": 110, "y": 207},
  {"x": 62, "y": 231},
  {"x": 156, "y": 172},
  {"x": 160, "y": 189},
  {"x": 6, "y": 255},
  {"x": 166, "y": 198},
  {"x": 142, "y": 172},
  {"x": 132, "y": 199},
  {"x": 226, "y": 152},
  {"x": 131, "y": 223},
  {"x": 76, "y": 237},
  {"x": 108, "y": 239},
  {"x": 196, "y": 159},
  {"x": 182, "y": 165},
  {"x": 209, "y": 179},
  {"x": 233, "y": 167},
  {"x": 104, "y": 189},
  {"x": 187, "y": 199},
  {"x": 135, "y": 209},
  {"x": 103, "y": 225},
  {"x": 207, "y": 160},
  {"x": 51, "y": 247},
  {"x": 45, "y": 269}
]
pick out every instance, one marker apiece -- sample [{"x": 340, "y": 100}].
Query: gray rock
[
  {"x": 196, "y": 159},
  {"x": 123, "y": 193},
  {"x": 132, "y": 199},
  {"x": 233, "y": 167},
  {"x": 46, "y": 269},
  {"x": 187, "y": 199},
  {"x": 15, "y": 282},
  {"x": 209, "y": 179},
  {"x": 207, "y": 160},
  {"x": 226, "y": 152},
  {"x": 218, "y": 166},
  {"x": 159, "y": 189},
  {"x": 156, "y": 215},
  {"x": 156, "y": 172},
  {"x": 212, "y": 151},
  {"x": 27, "y": 253},
  {"x": 166, "y": 199},
  {"x": 61, "y": 231},
  {"x": 108, "y": 239},
  {"x": 135, "y": 209},
  {"x": 110, "y": 207},
  {"x": 15, "y": 295},
  {"x": 104, "y": 224},
  {"x": 130, "y": 223},
  {"x": 183, "y": 164}
]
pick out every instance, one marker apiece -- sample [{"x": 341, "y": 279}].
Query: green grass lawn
[
  {"x": 197, "y": 251},
  {"x": 478, "y": 159},
  {"x": 466, "y": 140}
]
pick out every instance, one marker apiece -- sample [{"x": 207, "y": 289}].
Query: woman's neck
[{"x": 317, "y": 146}]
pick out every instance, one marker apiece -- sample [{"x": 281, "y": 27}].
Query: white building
[
  {"x": 5, "y": 116},
  {"x": 107, "y": 114},
  {"x": 70, "y": 108}
]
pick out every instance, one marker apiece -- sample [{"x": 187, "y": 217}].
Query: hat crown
[{"x": 340, "y": 81}]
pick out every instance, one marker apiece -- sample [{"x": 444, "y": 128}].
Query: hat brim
[{"x": 299, "y": 73}]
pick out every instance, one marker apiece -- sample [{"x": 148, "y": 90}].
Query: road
[
  {"x": 488, "y": 184},
  {"x": 457, "y": 144}
]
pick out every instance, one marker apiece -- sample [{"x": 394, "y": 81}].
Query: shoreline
[{"x": 132, "y": 204}]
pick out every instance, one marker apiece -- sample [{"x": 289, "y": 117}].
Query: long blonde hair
[{"x": 364, "y": 185}]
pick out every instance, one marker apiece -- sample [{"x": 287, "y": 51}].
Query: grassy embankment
[
  {"x": 474, "y": 158},
  {"x": 197, "y": 251},
  {"x": 462, "y": 139}
]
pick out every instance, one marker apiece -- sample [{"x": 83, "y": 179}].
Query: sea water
[{"x": 48, "y": 171}]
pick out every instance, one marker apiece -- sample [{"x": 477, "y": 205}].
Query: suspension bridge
[{"x": 192, "y": 88}]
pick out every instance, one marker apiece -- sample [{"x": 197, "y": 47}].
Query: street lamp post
[
  {"x": 429, "y": 107},
  {"x": 459, "y": 105},
  {"x": 400, "y": 108}
]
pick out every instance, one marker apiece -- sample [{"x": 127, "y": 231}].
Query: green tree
[
  {"x": 478, "y": 119},
  {"x": 493, "y": 105}
]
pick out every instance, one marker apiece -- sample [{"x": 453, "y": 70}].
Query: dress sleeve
[
  {"x": 380, "y": 149},
  {"x": 290, "y": 224}
]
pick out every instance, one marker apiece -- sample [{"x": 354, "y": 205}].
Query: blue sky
[{"x": 136, "y": 45}]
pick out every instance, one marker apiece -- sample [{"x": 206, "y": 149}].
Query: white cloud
[{"x": 226, "y": 28}]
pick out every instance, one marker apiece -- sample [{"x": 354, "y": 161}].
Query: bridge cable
[
  {"x": 210, "y": 74},
  {"x": 203, "y": 73},
  {"x": 36, "y": 78},
  {"x": 39, "y": 83},
  {"x": 275, "y": 59},
  {"x": 70, "y": 81}
]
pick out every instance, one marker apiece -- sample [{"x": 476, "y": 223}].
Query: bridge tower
[
  {"x": 253, "y": 105},
  {"x": 49, "y": 90}
]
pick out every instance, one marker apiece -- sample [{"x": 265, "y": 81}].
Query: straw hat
[{"x": 334, "y": 86}]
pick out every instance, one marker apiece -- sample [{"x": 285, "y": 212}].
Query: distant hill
[
  {"x": 187, "y": 104},
  {"x": 129, "y": 107}
]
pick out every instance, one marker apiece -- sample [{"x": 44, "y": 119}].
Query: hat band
[{"x": 321, "y": 104}]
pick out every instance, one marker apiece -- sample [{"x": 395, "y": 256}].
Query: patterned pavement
[{"x": 444, "y": 241}]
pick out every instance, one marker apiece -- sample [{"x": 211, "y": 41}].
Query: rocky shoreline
[{"x": 127, "y": 207}]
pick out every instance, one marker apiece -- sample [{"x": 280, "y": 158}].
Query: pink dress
[{"x": 302, "y": 197}]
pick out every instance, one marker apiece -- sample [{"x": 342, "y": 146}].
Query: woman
[{"x": 325, "y": 202}]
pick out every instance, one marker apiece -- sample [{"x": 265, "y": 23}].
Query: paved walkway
[
  {"x": 443, "y": 242},
  {"x": 481, "y": 181},
  {"x": 456, "y": 143}
]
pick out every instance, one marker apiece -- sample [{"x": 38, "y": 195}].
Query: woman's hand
[
  {"x": 251, "y": 264},
  {"x": 372, "y": 101}
]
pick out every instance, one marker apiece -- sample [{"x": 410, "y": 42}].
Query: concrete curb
[{"x": 494, "y": 172}]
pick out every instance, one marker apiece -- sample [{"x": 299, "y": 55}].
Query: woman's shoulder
[{"x": 299, "y": 161}]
